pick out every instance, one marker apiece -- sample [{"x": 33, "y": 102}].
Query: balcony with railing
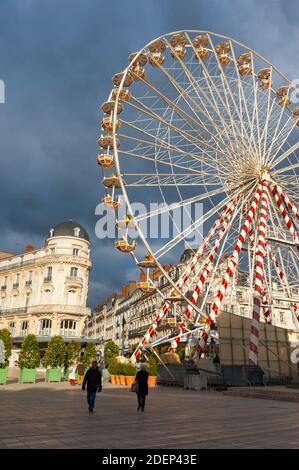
[
  {"x": 45, "y": 332},
  {"x": 15, "y": 285},
  {"x": 3, "y": 288},
  {"x": 67, "y": 332},
  {"x": 74, "y": 280},
  {"x": 24, "y": 332},
  {"x": 48, "y": 279},
  {"x": 28, "y": 283}
]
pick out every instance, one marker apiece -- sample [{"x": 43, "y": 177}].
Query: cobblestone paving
[{"x": 56, "y": 416}]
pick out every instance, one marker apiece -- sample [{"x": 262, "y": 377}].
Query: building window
[
  {"x": 24, "y": 328},
  {"x": 52, "y": 250},
  {"x": 2, "y": 304},
  {"x": 208, "y": 309},
  {"x": 48, "y": 277},
  {"x": 11, "y": 327},
  {"x": 75, "y": 251},
  {"x": 281, "y": 319},
  {"x": 77, "y": 231},
  {"x": 16, "y": 284},
  {"x": 74, "y": 272},
  {"x": 45, "y": 327},
  {"x": 68, "y": 327}
]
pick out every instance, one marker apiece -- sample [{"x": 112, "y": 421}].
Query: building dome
[{"x": 70, "y": 228}]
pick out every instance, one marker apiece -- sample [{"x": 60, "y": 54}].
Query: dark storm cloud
[{"x": 57, "y": 58}]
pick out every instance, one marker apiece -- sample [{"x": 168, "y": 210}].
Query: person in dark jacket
[
  {"x": 142, "y": 378},
  {"x": 93, "y": 379}
]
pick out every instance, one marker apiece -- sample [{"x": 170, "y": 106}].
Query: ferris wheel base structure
[{"x": 197, "y": 117}]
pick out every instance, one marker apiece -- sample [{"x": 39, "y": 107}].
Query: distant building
[{"x": 44, "y": 291}]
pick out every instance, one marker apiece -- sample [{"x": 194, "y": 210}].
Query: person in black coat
[
  {"x": 142, "y": 378},
  {"x": 93, "y": 379}
]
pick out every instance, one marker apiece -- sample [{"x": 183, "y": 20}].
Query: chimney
[
  {"x": 124, "y": 291},
  {"x": 29, "y": 248},
  {"x": 142, "y": 277}
]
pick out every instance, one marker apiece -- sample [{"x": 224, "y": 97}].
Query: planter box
[
  {"x": 27, "y": 376},
  {"x": 130, "y": 379},
  {"x": 3, "y": 376},
  {"x": 122, "y": 380},
  {"x": 112, "y": 378},
  {"x": 152, "y": 381},
  {"x": 53, "y": 375},
  {"x": 117, "y": 380}
]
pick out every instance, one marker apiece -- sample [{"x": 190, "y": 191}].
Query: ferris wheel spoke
[
  {"x": 213, "y": 104},
  {"x": 210, "y": 83},
  {"x": 187, "y": 118},
  {"x": 171, "y": 148},
  {"x": 192, "y": 139},
  {"x": 283, "y": 157},
  {"x": 228, "y": 93},
  {"x": 281, "y": 139},
  {"x": 179, "y": 204},
  {"x": 163, "y": 162},
  {"x": 192, "y": 106},
  {"x": 208, "y": 161}
]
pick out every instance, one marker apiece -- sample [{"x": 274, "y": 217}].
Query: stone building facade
[{"x": 44, "y": 291}]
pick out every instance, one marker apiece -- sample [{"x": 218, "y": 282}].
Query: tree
[
  {"x": 29, "y": 357},
  {"x": 6, "y": 338},
  {"x": 55, "y": 353},
  {"x": 111, "y": 350},
  {"x": 73, "y": 350},
  {"x": 90, "y": 354}
]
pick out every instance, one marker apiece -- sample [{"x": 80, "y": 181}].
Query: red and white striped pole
[
  {"x": 285, "y": 216},
  {"x": 233, "y": 261},
  {"x": 176, "y": 340},
  {"x": 205, "y": 271},
  {"x": 259, "y": 273},
  {"x": 276, "y": 189},
  {"x": 182, "y": 280}
]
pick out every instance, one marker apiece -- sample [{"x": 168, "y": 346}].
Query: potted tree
[
  {"x": 29, "y": 359},
  {"x": 111, "y": 350},
  {"x": 90, "y": 354},
  {"x": 112, "y": 369},
  {"x": 55, "y": 359},
  {"x": 130, "y": 373},
  {"x": 5, "y": 338},
  {"x": 121, "y": 373},
  {"x": 152, "y": 371},
  {"x": 72, "y": 356}
]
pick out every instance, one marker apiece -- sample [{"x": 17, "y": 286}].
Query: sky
[{"x": 57, "y": 58}]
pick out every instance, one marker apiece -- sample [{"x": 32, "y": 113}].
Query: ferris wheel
[{"x": 197, "y": 117}]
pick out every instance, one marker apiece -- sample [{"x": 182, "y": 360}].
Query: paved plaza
[{"x": 55, "y": 416}]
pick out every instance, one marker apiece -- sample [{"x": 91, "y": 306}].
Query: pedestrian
[
  {"x": 93, "y": 379},
  {"x": 142, "y": 378},
  {"x": 80, "y": 369},
  {"x": 72, "y": 374}
]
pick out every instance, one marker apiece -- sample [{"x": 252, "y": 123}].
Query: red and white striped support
[
  {"x": 208, "y": 265},
  {"x": 276, "y": 189},
  {"x": 182, "y": 280},
  {"x": 233, "y": 261},
  {"x": 176, "y": 340},
  {"x": 284, "y": 281},
  {"x": 285, "y": 216},
  {"x": 206, "y": 269},
  {"x": 266, "y": 301},
  {"x": 259, "y": 272},
  {"x": 265, "y": 296}
]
